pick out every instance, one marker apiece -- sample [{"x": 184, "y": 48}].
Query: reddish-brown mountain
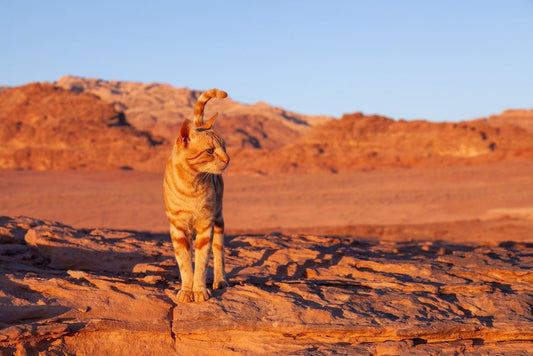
[
  {"x": 161, "y": 108},
  {"x": 357, "y": 141},
  {"x": 43, "y": 127},
  {"x": 95, "y": 124},
  {"x": 520, "y": 118}
]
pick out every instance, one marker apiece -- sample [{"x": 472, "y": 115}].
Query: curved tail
[{"x": 200, "y": 104}]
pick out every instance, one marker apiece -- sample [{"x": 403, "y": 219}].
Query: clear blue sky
[{"x": 440, "y": 60}]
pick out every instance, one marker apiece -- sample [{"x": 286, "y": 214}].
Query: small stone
[
  {"x": 77, "y": 274},
  {"x": 147, "y": 267},
  {"x": 310, "y": 273},
  {"x": 152, "y": 279}
]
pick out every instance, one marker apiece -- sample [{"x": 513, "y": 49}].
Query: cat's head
[{"x": 202, "y": 149}]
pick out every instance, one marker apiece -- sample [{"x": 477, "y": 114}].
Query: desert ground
[
  {"x": 287, "y": 203},
  {"x": 399, "y": 261}
]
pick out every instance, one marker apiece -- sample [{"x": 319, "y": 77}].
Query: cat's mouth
[
  {"x": 226, "y": 163},
  {"x": 219, "y": 168}
]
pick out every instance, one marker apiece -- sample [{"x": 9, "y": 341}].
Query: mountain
[
  {"x": 161, "y": 108},
  {"x": 520, "y": 118},
  {"x": 358, "y": 141},
  {"x": 79, "y": 123},
  {"x": 44, "y": 127}
]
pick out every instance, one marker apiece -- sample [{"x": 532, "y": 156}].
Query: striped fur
[
  {"x": 200, "y": 104},
  {"x": 193, "y": 189}
]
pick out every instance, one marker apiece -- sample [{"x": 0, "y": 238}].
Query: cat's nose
[{"x": 225, "y": 160}]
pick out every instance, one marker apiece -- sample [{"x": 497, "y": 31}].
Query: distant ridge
[
  {"x": 43, "y": 126},
  {"x": 520, "y": 118},
  {"x": 360, "y": 142},
  {"x": 161, "y": 108},
  {"x": 78, "y": 123}
]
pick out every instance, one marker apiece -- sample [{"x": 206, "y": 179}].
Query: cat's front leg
[
  {"x": 181, "y": 242},
  {"x": 202, "y": 251},
  {"x": 220, "y": 280}
]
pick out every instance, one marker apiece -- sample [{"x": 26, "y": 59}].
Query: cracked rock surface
[{"x": 99, "y": 291}]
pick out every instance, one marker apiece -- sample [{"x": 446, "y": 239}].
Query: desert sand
[{"x": 287, "y": 203}]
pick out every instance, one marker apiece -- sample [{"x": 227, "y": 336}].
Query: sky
[{"x": 439, "y": 60}]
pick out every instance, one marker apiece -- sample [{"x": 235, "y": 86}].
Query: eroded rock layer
[{"x": 97, "y": 291}]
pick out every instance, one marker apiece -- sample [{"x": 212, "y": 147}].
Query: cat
[{"x": 193, "y": 189}]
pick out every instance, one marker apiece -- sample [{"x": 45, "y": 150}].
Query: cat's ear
[
  {"x": 209, "y": 123},
  {"x": 185, "y": 133}
]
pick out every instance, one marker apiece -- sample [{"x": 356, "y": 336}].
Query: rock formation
[
  {"x": 520, "y": 118},
  {"x": 161, "y": 108},
  {"x": 95, "y": 124},
  {"x": 357, "y": 142},
  {"x": 98, "y": 291},
  {"x": 45, "y": 127}
]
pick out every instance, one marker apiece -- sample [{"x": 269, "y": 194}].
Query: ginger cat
[{"x": 193, "y": 189}]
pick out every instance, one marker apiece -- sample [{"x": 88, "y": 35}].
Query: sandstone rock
[{"x": 363, "y": 296}]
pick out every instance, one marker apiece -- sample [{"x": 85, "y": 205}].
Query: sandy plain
[{"x": 288, "y": 203}]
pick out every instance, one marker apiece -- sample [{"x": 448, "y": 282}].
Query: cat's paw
[
  {"x": 202, "y": 295},
  {"x": 185, "y": 296},
  {"x": 220, "y": 284}
]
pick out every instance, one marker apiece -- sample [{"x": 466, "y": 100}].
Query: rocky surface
[{"x": 99, "y": 291}]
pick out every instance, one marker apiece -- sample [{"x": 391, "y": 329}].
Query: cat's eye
[{"x": 210, "y": 150}]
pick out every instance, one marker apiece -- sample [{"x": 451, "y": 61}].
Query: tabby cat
[{"x": 192, "y": 191}]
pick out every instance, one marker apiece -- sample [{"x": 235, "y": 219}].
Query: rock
[
  {"x": 61, "y": 247},
  {"x": 519, "y": 118},
  {"x": 102, "y": 291}
]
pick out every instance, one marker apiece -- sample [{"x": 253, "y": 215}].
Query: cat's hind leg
[{"x": 219, "y": 281}]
